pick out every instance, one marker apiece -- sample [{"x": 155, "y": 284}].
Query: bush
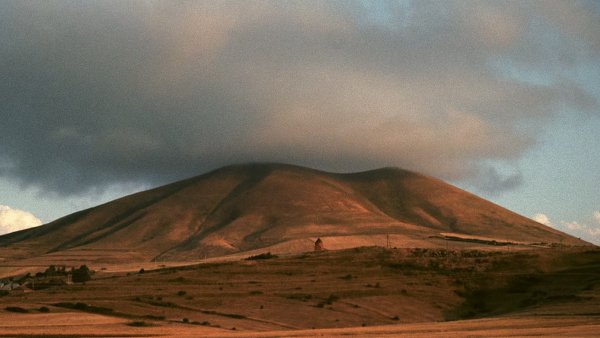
[
  {"x": 153, "y": 317},
  {"x": 181, "y": 293},
  {"x": 16, "y": 309},
  {"x": 267, "y": 255},
  {"x": 299, "y": 296},
  {"x": 84, "y": 307},
  {"x": 332, "y": 298},
  {"x": 44, "y": 309},
  {"x": 139, "y": 324},
  {"x": 329, "y": 300},
  {"x": 234, "y": 315},
  {"x": 81, "y": 306}
]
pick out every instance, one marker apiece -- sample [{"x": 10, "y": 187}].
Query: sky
[{"x": 100, "y": 99}]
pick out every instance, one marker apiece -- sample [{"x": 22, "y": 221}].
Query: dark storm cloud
[{"x": 101, "y": 93}]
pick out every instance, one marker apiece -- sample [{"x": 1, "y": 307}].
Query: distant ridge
[{"x": 241, "y": 208}]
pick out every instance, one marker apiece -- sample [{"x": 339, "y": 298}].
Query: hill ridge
[{"x": 245, "y": 207}]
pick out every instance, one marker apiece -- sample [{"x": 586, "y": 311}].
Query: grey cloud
[
  {"x": 490, "y": 180},
  {"x": 101, "y": 93}
]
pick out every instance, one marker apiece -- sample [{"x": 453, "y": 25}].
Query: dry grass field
[{"x": 369, "y": 291}]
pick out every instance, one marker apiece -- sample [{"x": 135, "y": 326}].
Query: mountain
[{"x": 282, "y": 208}]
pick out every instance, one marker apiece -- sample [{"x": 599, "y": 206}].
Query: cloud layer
[
  {"x": 108, "y": 92},
  {"x": 590, "y": 233},
  {"x": 15, "y": 219}
]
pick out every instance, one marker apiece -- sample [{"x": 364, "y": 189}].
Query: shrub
[
  {"x": 84, "y": 307},
  {"x": 234, "y": 315},
  {"x": 299, "y": 296},
  {"x": 181, "y": 293},
  {"x": 267, "y": 255},
  {"x": 44, "y": 309},
  {"x": 16, "y": 309},
  {"x": 153, "y": 317},
  {"x": 80, "y": 306},
  {"x": 139, "y": 323},
  {"x": 332, "y": 298},
  {"x": 329, "y": 300}
]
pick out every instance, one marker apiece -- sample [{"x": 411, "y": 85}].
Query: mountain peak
[{"x": 283, "y": 208}]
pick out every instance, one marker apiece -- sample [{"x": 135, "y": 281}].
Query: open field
[
  {"x": 99, "y": 326},
  {"x": 363, "y": 291},
  {"x": 123, "y": 260}
]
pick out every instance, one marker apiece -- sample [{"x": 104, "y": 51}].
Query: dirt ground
[{"x": 368, "y": 291}]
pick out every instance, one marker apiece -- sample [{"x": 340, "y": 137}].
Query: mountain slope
[{"x": 247, "y": 207}]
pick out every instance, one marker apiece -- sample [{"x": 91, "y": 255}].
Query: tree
[
  {"x": 81, "y": 275},
  {"x": 51, "y": 271}
]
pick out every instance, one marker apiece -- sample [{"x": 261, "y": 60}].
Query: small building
[
  {"x": 9, "y": 286},
  {"x": 20, "y": 289},
  {"x": 319, "y": 245}
]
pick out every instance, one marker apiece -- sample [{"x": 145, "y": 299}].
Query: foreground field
[
  {"x": 85, "y": 325},
  {"x": 364, "y": 291}
]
